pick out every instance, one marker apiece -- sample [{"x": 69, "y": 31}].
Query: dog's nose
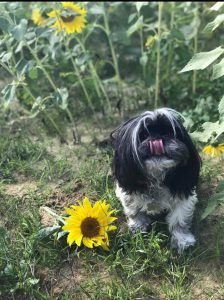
[{"x": 156, "y": 147}]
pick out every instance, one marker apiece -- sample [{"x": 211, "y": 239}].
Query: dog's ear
[
  {"x": 126, "y": 168},
  {"x": 183, "y": 179}
]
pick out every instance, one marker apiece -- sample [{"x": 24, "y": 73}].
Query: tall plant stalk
[
  {"x": 112, "y": 49},
  {"x": 142, "y": 47},
  {"x": 89, "y": 101},
  {"x": 54, "y": 87},
  {"x": 157, "y": 92},
  {"x": 97, "y": 81},
  {"x": 170, "y": 49},
  {"x": 34, "y": 99},
  {"x": 194, "y": 81}
]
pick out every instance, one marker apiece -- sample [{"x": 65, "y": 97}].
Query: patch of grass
[{"x": 140, "y": 266}]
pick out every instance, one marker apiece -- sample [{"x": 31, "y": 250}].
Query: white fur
[{"x": 180, "y": 212}]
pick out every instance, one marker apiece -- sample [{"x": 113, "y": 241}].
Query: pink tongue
[{"x": 156, "y": 147}]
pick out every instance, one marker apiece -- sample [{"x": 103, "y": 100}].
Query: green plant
[{"x": 211, "y": 131}]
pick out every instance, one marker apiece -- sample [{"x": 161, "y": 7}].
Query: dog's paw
[
  {"x": 139, "y": 225},
  {"x": 182, "y": 241}
]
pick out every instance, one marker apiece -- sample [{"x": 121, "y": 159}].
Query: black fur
[{"x": 128, "y": 166}]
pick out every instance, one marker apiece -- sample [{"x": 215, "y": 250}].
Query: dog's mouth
[{"x": 156, "y": 147}]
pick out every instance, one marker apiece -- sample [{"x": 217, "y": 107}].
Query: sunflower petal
[
  {"x": 88, "y": 242},
  {"x": 112, "y": 228},
  {"x": 73, "y": 237}
]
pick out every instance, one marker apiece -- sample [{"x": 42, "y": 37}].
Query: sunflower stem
[
  {"x": 112, "y": 49},
  {"x": 48, "y": 116},
  {"x": 170, "y": 50},
  {"x": 157, "y": 99},
  {"x": 142, "y": 48},
  {"x": 54, "y": 87},
  {"x": 90, "y": 104},
  {"x": 96, "y": 77},
  {"x": 194, "y": 81}
]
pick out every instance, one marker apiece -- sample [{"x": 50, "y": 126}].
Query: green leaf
[
  {"x": 131, "y": 17},
  {"x": 66, "y": 13},
  {"x": 189, "y": 31},
  {"x": 135, "y": 27},
  {"x": 33, "y": 73},
  {"x": 209, "y": 209},
  {"x": 96, "y": 10},
  {"x": 61, "y": 234},
  {"x": 210, "y": 131},
  {"x": 46, "y": 232},
  {"x": 202, "y": 60},
  {"x": 5, "y": 24},
  {"x": 24, "y": 66},
  {"x": 19, "y": 31},
  {"x": 81, "y": 59},
  {"x": 139, "y": 5},
  {"x": 9, "y": 92},
  {"x": 218, "y": 70},
  {"x": 221, "y": 106},
  {"x": 220, "y": 187},
  {"x": 214, "y": 200},
  {"x": 217, "y": 6},
  {"x": 214, "y": 24},
  {"x": 6, "y": 57},
  {"x": 32, "y": 281},
  {"x": 62, "y": 98},
  {"x": 38, "y": 106},
  {"x": 144, "y": 59}
]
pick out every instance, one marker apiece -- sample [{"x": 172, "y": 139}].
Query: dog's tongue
[{"x": 156, "y": 147}]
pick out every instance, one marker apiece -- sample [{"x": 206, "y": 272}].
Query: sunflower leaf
[
  {"x": 210, "y": 131},
  {"x": 24, "y": 66},
  {"x": 214, "y": 24},
  {"x": 221, "y": 106},
  {"x": 62, "y": 98},
  {"x": 218, "y": 70},
  {"x": 214, "y": 200},
  {"x": 9, "y": 92},
  {"x": 46, "y": 232},
  {"x": 19, "y": 31},
  {"x": 139, "y": 5},
  {"x": 5, "y": 24},
  {"x": 61, "y": 234},
  {"x": 220, "y": 187},
  {"x": 69, "y": 13},
  {"x": 135, "y": 27},
  {"x": 202, "y": 60},
  {"x": 217, "y": 6}
]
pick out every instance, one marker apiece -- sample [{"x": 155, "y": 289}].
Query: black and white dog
[{"x": 156, "y": 167}]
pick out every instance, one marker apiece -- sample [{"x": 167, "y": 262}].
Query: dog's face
[
  {"x": 155, "y": 145},
  {"x": 159, "y": 149}
]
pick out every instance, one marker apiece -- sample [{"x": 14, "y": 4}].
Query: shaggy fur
[{"x": 151, "y": 179}]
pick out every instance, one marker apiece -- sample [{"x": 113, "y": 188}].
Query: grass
[{"x": 41, "y": 172}]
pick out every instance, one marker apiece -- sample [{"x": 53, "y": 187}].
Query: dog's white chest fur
[{"x": 156, "y": 200}]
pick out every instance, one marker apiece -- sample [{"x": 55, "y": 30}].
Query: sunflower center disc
[
  {"x": 90, "y": 227},
  {"x": 68, "y": 19}
]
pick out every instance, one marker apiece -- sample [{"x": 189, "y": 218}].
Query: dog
[{"x": 156, "y": 168}]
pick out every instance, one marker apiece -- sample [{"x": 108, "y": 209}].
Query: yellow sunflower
[
  {"x": 71, "y": 18},
  {"x": 89, "y": 224},
  {"x": 38, "y": 18},
  {"x": 214, "y": 151}
]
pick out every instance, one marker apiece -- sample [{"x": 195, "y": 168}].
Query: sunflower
[
  {"x": 71, "y": 18},
  {"x": 89, "y": 224},
  {"x": 38, "y": 18},
  {"x": 214, "y": 151}
]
